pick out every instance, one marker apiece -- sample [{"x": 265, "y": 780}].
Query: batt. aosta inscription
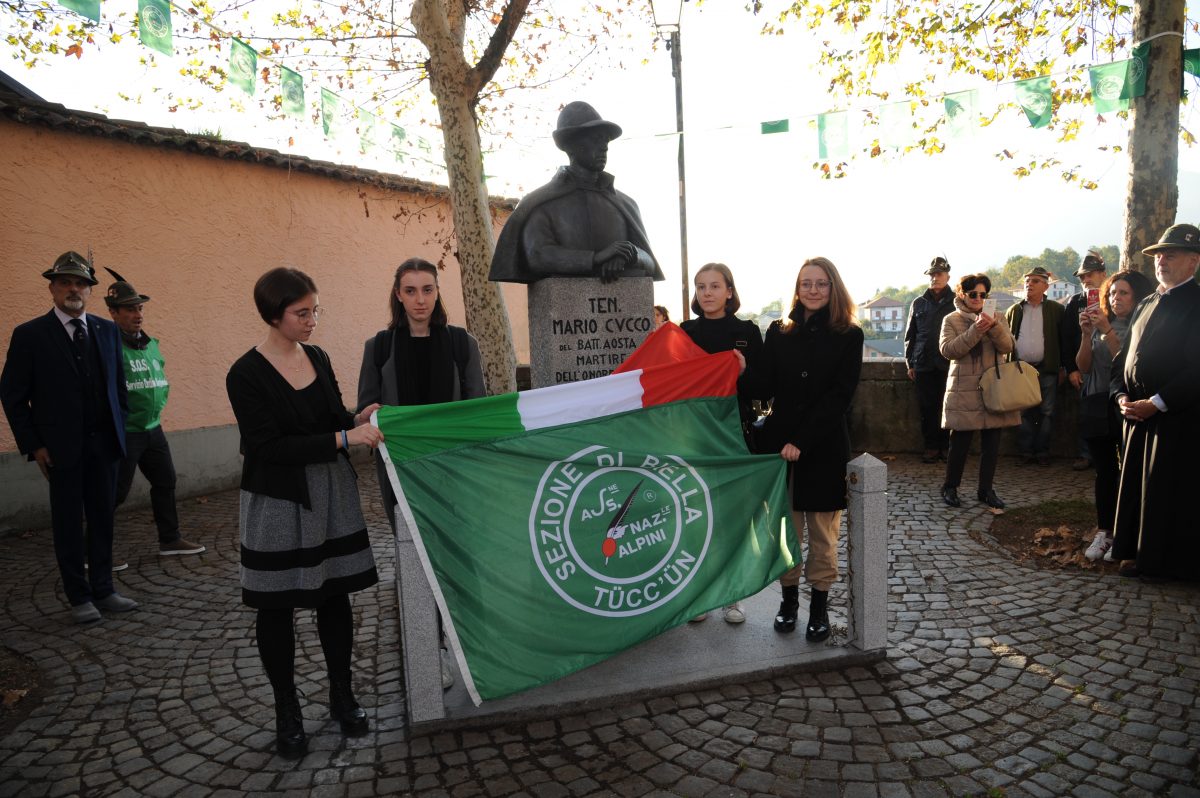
[{"x": 599, "y": 342}]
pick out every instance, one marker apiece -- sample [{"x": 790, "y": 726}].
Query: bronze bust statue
[{"x": 577, "y": 225}]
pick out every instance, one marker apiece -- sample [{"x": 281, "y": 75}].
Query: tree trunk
[
  {"x": 1153, "y": 195},
  {"x": 487, "y": 316},
  {"x": 439, "y": 25}
]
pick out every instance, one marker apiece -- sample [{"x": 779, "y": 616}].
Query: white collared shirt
[{"x": 68, "y": 326}]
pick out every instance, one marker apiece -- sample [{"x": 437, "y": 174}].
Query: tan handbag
[{"x": 1012, "y": 385}]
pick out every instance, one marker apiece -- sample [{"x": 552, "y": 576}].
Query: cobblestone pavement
[{"x": 1001, "y": 681}]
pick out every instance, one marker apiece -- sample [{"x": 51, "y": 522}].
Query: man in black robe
[
  {"x": 577, "y": 225},
  {"x": 1156, "y": 386}
]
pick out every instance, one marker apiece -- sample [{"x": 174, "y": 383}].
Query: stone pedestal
[
  {"x": 420, "y": 643},
  {"x": 580, "y": 328},
  {"x": 866, "y": 552}
]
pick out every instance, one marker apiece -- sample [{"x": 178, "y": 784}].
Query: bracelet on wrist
[{"x": 345, "y": 441}]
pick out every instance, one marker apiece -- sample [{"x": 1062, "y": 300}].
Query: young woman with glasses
[
  {"x": 303, "y": 537},
  {"x": 973, "y": 341},
  {"x": 810, "y": 366}
]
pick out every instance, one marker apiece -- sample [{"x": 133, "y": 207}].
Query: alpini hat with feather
[
  {"x": 71, "y": 264},
  {"x": 122, "y": 292},
  {"x": 1180, "y": 236}
]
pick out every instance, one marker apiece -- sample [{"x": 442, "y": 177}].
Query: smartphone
[
  {"x": 1093, "y": 296},
  {"x": 989, "y": 306}
]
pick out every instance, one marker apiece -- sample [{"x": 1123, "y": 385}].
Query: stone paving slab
[{"x": 1001, "y": 679}]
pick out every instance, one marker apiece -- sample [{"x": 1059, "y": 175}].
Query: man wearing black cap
[
  {"x": 1156, "y": 385},
  {"x": 577, "y": 225},
  {"x": 926, "y": 366},
  {"x": 145, "y": 443},
  {"x": 1091, "y": 274},
  {"x": 64, "y": 394}
]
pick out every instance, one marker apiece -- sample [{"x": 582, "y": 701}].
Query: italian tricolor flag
[{"x": 562, "y": 525}]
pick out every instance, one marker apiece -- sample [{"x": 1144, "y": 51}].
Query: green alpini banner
[
  {"x": 1035, "y": 98},
  {"x": 243, "y": 65},
  {"x": 553, "y": 549},
  {"x": 292, "y": 88},
  {"x": 1115, "y": 85},
  {"x": 962, "y": 111},
  {"x": 329, "y": 111},
  {"x": 85, "y": 8},
  {"x": 154, "y": 25},
  {"x": 833, "y": 136}
]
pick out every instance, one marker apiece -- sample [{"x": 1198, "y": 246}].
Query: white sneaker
[
  {"x": 733, "y": 613},
  {"x": 1100, "y": 544},
  {"x": 698, "y": 618},
  {"x": 1108, "y": 557}
]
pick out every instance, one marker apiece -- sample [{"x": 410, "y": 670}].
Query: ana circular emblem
[
  {"x": 1036, "y": 101},
  {"x": 615, "y": 536},
  {"x": 241, "y": 62},
  {"x": 293, "y": 93},
  {"x": 1137, "y": 68},
  {"x": 155, "y": 22},
  {"x": 1110, "y": 87}
]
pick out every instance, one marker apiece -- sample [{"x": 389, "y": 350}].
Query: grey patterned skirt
[{"x": 293, "y": 557}]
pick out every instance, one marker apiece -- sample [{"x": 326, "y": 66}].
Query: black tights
[{"x": 274, "y": 632}]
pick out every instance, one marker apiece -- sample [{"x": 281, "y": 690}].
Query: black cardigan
[{"x": 274, "y": 443}]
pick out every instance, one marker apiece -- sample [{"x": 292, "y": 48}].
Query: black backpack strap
[{"x": 383, "y": 347}]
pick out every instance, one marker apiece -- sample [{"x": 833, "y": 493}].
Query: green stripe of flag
[
  {"x": 776, "y": 126},
  {"x": 417, "y": 431}
]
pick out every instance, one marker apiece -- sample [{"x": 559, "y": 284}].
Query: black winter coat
[
  {"x": 924, "y": 331},
  {"x": 811, "y": 373}
]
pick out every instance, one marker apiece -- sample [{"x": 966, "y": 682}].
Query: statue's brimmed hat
[
  {"x": 1093, "y": 261},
  {"x": 71, "y": 264},
  {"x": 1180, "y": 236},
  {"x": 939, "y": 264},
  {"x": 122, "y": 292},
  {"x": 577, "y": 117}
]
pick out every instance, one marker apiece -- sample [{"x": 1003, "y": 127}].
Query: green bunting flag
[
  {"x": 84, "y": 8},
  {"x": 292, "y": 87},
  {"x": 895, "y": 125},
  {"x": 1191, "y": 61},
  {"x": 777, "y": 126},
  {"x": 424, "y": 146},
  {"x": 1037, "y": 100},
  {"x": 398, "y": 137},
  {"x": 962, "y": 110},
  {"x": 154, "y": 25},
  {"x": 602, "y": 513},
  {"x": 329, "y": 111},
  {"x": 1115, "y": 85},
  {"x": 243, "y": 66},
  {"x": 366, "y": 131},
  {"x": 833, "y": 136}
]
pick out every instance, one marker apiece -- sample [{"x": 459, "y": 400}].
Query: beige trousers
[{"x": 821, "y": 565}]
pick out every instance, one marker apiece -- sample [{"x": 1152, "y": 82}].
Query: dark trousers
[
  {"x": 149, "y": 452},
  {"x": 85, "y": 490},
  {"x": 1106, "y": 457},
  {"x": 960, "y": 446},
  {"x": 931, "y": 388}
]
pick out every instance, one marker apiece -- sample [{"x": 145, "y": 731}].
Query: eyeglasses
[
  {"x": 819, "y": 285},
  {"x": 305, "y": 315},
  {"x": 977, "y": 294}
]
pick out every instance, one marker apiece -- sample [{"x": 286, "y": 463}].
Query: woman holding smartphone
[
  {"x": 304, "y": 539},
  {"x": 1105, "y": 327},
  {"x": 810, "y": 367},
  {"x": 973, "y": 341}
]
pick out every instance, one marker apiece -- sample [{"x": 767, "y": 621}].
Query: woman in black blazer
[
  {"x": 716, "y": 329},
  {"x": 810, "y": 366},
  {"x": 304, "y": 539}
]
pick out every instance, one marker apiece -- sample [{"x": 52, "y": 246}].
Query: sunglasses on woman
[{"x": 977, "y": 294}]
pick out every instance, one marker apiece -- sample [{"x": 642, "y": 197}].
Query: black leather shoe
[
  {"x": 344, "y": 709},
  {"x": 785, "y": 619},
  {"x": 818, "y": 617},
  {"x": 990, "y": 498},
  {"x": 290, "y": 739},
  {"x": 950, "y": 497}
]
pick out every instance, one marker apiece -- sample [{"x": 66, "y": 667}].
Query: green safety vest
[{"x": 147, "y": 385}]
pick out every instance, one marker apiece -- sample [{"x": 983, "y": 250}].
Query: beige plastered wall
[{"x": 194, "y": 232}]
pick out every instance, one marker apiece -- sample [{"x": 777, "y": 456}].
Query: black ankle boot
[
  {"x": 785, "y": 620},
  {"x": 344, "y": 709},
  {"x": 950, "y": 496},
  {"x": 990, "y": 498},
  {"x": 290, "y": 740},
  {"x": 818, "y": 617}
]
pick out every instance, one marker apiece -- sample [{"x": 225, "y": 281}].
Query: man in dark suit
[
  {"x": 1156, "y": 387},
  {"x": 63, "y": 390}
]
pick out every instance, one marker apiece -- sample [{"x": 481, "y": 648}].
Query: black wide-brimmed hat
[
  {"x": 1093, "y": 261},
  {"x": 71, "y": 264},
  {"x": 122, "y": 292},
  {"x": 1180, "y": 236},
  {"x": 939, "y": 264},
  {"x": 577, "y": 117}
]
